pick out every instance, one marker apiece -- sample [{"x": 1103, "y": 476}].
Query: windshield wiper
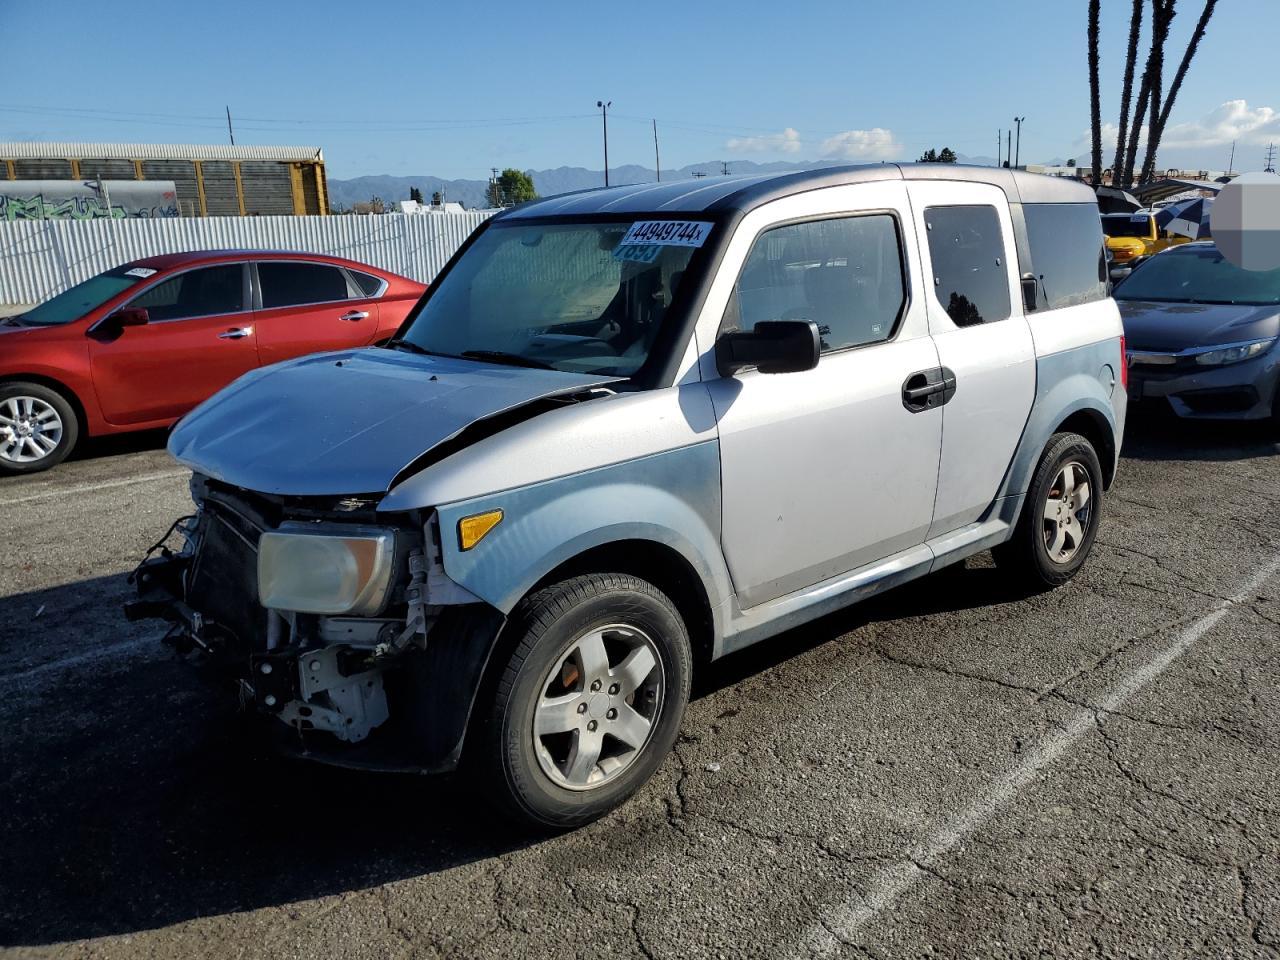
[
  {"x": 502, "y": 356},
  {"x": 399, "y": 343}
]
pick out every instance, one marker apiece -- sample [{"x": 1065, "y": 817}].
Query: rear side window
[
  {"x": 843, "y": 274},
  {"x": 369, "y": 284},
  {"x": 970, "y": 272},
  {"x": 205, "y": 292},
  {"x": 1067, "y": 253},
  {"x": 293, "y": 284}
]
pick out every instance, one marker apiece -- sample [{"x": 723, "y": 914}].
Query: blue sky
[{"x": 454, "y": 89}]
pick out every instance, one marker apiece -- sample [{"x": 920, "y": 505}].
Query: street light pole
[
  {"x": 604, "y": 119},
  {"x": 1017, "y": 150}
]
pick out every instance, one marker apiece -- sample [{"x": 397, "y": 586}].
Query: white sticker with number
[{"x": 667, "y": 233}]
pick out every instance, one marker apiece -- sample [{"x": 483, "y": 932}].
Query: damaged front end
[{"x": 335, "y": 621}]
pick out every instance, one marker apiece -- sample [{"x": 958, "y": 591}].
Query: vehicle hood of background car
[
  {"x": 1170, "y": 327},
  {"x": 348, "y": 423}
]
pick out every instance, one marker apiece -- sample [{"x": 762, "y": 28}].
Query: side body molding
[{"x": 671, "y": 498}]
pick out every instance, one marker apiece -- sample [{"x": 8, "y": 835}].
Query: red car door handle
[
  {"x": 236, "y": 333},
  {"x": 354, "y": 315}
]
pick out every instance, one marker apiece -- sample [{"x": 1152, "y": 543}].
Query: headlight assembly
[
  {"x": 326, "y": 570},
  {"x": 1233, "y": 353}
]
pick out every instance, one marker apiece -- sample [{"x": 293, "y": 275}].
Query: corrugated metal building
[{"x": 212, "y": 180}]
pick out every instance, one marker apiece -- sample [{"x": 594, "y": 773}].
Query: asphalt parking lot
[{"x": 952, "y": 770}]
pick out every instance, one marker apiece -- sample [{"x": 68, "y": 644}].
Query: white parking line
[
  {"x": 841, "y": 923},
  {"x": 91, "y": 487}
]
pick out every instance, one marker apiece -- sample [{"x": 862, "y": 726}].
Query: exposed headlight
[
  {"x": 326, "y": 571},
  {"x": 1234, "y": 353}
]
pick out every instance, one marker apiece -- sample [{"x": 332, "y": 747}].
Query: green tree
[
  {"x": 415, "y": 194},
  {"x": 1095, "y": 96},
  {"x": 947, "y": 155},
  {"x": 512, "y": 187},
  {"x": 437, "y": 198}
]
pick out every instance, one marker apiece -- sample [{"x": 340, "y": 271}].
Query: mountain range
[{"x": 549, "y": 183}]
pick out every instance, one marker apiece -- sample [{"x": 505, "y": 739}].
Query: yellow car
[{"x": 1134, "y": 236}]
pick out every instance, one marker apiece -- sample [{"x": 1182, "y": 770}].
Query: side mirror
[
  {"x": 131, "y": 317},
  {"x": 772, "y": 346}
]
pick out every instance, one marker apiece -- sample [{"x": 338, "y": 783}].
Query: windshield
[
  {"x": 568, "y": 296},
  {"x": 1123, "y": 225},
  {"x": 1199, "y": 275},
  {"x": 74, "y": 303}
]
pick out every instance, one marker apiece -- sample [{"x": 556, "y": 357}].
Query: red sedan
[{"x": 138, "y": 346}]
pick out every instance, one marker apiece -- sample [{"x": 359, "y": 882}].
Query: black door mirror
[
  {"x": 131, "y": 317},
  {"x": 772, "y": 346}
]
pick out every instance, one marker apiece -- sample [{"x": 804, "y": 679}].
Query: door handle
[
  {"x": 354, "y": 315},
  {"x": 236, "y": 333},
  {"x": 927, "y": 389}
]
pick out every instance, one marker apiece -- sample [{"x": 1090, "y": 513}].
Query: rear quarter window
[{"x": 1067, "y": 253}]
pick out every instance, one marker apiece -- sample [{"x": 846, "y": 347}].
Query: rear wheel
[
  {"x": 1059, "y": 517},
  {"x": 590, "y": 700},
  {"x": 38, "y": 428}
]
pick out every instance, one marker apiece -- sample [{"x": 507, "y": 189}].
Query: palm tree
[
  {"x": 1095, "y": 104},
  {"x": 1154, "y": 135},
  {"x": 1126, "y": 93},
  {"x": 1161, "y": 22},
  {"x": 1161, "y": 16}
]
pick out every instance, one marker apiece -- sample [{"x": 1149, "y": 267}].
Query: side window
[
  {"x": 843, "y": 274},
  {"x": 369, "y": 284},
  {"x": 1067, "y": 253},
  {"x": 286, "y": 284},
  {"x": 197, "y": 293},
  {"x": 970, "y": 275}
]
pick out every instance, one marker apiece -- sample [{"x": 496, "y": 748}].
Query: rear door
[
  {"x": 307, "y": 307},
  {"x": 983, "y": 340},
  {"x": 200, "y": 337}
]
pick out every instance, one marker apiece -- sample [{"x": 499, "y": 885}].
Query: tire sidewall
[
  {"x": 1065, "y": 449},
  {"x": 70, "y": 426},
  {"x": 535, "y": 795}
]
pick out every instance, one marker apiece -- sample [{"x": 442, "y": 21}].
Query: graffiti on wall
[{"x": 86, "y": 200}]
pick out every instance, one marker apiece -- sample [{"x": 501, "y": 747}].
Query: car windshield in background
[
  {"x": 1199, "y": 275},
  {"x": 1123, "y": 225},
  {"x": 568, "y": 296},
  {"x": 74, "y": 303}
]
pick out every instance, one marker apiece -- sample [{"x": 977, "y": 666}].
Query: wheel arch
[{"x": 1093, "y": 426}]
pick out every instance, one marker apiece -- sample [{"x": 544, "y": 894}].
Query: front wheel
[
  {"x": 38, "y": 428},
  {"x": 1060, "y": 516},
  {"x": 590, "y": 701}
]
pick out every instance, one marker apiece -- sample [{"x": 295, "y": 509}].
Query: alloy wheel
[
  {"x": 30, "y": 429},
  {"x": 1068, "y": 509},
  {"x": 597, "y": 706}
]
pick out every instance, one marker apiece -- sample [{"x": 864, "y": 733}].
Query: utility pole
[
  {"x": 604, "y": 118},
  {"x": 657, "y": 164},
  {"x": 1017, "y": 153},
  {"x": 999, "y": 144},
  {"x": 1008, "y": 152},
  {"x": 1271, "y": 159},
  {"x": 724, "y": 169},
  {"x": 1232, "y": 161},
  {"x": 231, "y": 133}
]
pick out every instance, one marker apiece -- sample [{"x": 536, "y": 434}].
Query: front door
[
  {"x": 200, "y": 337},
  {"x": 310, "y": 307},
  {"x": 975, "y": 315},
  {"x": 828, "y": 470}
]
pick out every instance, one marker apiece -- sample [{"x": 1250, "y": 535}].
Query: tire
[
  {"x": 545, "y": 775},
  {"x": 1049, "y": 548},
  {"x": 31, "y": 417}
]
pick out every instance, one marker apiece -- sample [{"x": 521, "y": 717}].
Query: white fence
[{"x": 39, "y": 258}]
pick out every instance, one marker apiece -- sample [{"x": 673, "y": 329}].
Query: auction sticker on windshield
[{"x": 667, "y": 233}]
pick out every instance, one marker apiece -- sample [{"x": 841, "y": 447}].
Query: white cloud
[
  {"x": 874, "y": 144},
  {"x": 788, "y": 141},
  {"x": 1234, "y": 120}
]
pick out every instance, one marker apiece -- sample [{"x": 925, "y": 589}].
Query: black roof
[{"x": 716, "y": 195}]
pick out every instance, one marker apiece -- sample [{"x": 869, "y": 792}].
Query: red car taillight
[{"x": 1124, "y": 365}]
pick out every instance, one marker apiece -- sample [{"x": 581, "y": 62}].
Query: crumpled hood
[
  {"x": 348, "y": 423},
  {"x": 1170, "y": 327}
]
